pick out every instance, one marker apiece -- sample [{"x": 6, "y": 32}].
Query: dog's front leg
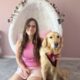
[
  {"x": 55, "y": 76},
  {"x": 43, "y": 74}
]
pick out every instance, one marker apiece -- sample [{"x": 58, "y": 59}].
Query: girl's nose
[{"x": 31, "y": 28}]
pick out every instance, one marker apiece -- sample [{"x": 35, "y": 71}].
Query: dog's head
[{"x": 53, "y": 41}]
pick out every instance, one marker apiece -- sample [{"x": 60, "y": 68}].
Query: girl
[{"x": 27, "y": 53}]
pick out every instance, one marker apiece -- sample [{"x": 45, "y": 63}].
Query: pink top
[{"x": 28, "y": 56}]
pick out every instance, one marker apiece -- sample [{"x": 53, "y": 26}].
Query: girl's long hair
[{"x": 36, "y": 39}]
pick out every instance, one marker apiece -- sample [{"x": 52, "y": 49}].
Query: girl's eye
[{"x": 28, "y": 26}]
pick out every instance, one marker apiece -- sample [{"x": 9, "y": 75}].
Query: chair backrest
[{"x": 42, "y": 11}]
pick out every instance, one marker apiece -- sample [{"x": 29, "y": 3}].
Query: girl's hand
[{"x": 26, "y": 70}]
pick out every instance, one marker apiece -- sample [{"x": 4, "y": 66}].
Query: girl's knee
[
  {"x": 34, "y": 78},
  {"x": 15, "y": 77}
]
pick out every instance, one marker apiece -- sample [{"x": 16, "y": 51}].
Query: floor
[{"x": 8, "y": 67}]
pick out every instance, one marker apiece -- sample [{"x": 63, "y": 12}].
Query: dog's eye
[
  {"x": 50, "y": 37},
  {"x": 58, "y": 36}
]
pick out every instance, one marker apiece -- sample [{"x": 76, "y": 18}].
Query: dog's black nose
[{"x": 56, "y": 45}]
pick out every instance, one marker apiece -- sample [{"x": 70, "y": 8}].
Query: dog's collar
[{"x": 52, "y": 58}]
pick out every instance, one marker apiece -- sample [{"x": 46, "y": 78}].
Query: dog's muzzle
[{"x": 55, "y": 45}]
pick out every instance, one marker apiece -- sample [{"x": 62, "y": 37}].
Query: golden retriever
[{"x": 49, "y": 54}]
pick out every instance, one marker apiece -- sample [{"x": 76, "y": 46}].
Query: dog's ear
[
  {"x": 61, "y": 42},
  {"x": 44, "y": 43}
]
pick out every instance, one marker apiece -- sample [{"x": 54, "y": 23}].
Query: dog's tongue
[{"x": 52, "y": 57}]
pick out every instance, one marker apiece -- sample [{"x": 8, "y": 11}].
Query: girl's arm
[
  {"x": 18, "y": 55},
  {"x": 19, "y": 61}
]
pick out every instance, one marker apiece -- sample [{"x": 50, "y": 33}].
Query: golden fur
[{"x": 52, "y": 43}]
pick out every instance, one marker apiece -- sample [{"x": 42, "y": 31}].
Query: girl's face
[{"x": 31, "y": 28}]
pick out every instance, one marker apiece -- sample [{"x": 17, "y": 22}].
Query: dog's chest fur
[{"x": 47, "y": 65}]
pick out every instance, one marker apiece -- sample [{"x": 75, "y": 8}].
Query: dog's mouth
[{"x": 52, "y": 58}]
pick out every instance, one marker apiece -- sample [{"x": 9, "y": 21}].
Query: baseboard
[
  {"x": 70, "y": 58},
  {"x": 9, "y": 57},
  {"x": 62, "y": 58}
]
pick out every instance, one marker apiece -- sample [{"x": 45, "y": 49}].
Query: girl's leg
[
  {"x": 34, "y": 78},
  {"x": 16, "y": 77},
  {"x": 35, "y": 74},
  {"x": 19, "y": 75}
]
